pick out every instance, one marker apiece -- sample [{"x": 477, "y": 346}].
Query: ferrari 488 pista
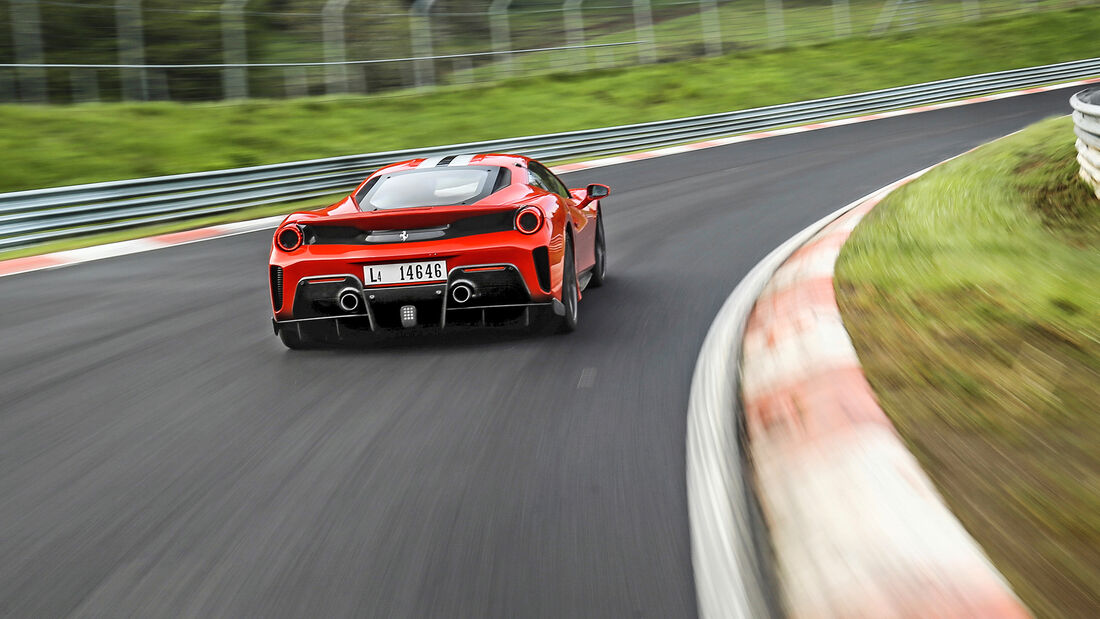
[{"x": 433, "y": 243}]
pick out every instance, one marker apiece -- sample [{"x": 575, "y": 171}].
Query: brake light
[
  {"x": 529, "y": 219},
  {"x": 289, "y": 238}
]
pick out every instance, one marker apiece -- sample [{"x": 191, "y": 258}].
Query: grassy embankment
[
  {"x": 973, "y": 299},
  {"x": 60, "y": 145}
]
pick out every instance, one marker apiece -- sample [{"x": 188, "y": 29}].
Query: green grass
[
  {"x": 973, "y": 297},
  {"x": 61, "y": 145}
]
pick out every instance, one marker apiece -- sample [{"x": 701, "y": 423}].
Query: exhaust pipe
[
  {"x": 349, "y": 299},
  {"x": 461, "y": 292}
]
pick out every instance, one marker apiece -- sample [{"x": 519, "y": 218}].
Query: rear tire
[
  {"x": 291, "y": 338},
  {"x": 305, "y": 336},
  {"x": 570, "y": 290},
  {"x": 599, "y": 270}
]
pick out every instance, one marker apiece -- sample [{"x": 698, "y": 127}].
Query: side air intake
[
  {"x": 277, "y": 287},
  {"x": 542, "y": 266}
]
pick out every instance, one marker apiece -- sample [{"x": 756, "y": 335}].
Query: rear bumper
[{"x": 306, "y": 284}]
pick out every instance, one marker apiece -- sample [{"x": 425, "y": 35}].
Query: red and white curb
[
  {"x": 66, "y": 258},
  {"x": 730, "y": 581},
  {"x": 857, "y": 527}
]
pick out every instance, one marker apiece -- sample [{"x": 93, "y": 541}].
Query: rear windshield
[{"x": 440, "y": 186}]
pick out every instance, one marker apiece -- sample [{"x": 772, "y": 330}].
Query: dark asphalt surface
[{"x": 162, "y": 454}]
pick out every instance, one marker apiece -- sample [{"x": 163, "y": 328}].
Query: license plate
[{"x": 405, "y": 273}]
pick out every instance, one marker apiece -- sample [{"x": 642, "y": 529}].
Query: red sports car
[{"x": 438, "y": 242}]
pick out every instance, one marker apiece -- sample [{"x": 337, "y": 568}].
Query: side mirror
[
  {"x": 590, "y": 194},
  {"x": 597, "y": 191}
]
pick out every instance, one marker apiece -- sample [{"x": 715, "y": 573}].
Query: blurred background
[{"x": 59, "y": 52}]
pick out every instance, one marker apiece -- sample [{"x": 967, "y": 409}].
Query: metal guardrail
[
  {"x": 1086, "y": 124},
  {"x": 28, "y": 217}
]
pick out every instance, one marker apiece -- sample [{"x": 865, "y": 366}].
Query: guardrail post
[
  {"x": 842, "y": 19},
  {"x": 234, "y": 50},
  {"x": 332, "y": 17},
  {"x": 643, "y": 31},
  {"x": 502, "y": 36},
  {"x": 712, "y": 27},
  {"x": 26, "y": 31},
  {"x": 420, "y": 23},
  {"x": 574, "y": 30},
  {"x": 131, "y": 49},
  {"x": 776, "y": 35}
]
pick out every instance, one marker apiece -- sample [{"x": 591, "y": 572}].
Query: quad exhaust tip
[{"x": 348, "y": 299}]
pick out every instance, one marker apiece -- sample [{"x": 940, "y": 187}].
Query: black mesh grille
[{"x": 277, "y": 287}]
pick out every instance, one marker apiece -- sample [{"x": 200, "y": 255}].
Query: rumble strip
[{"x": 857, "y": 527}]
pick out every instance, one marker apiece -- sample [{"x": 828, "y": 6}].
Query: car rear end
[{"x": 431, "y": 267}]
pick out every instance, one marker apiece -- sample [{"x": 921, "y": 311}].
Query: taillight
[
  {"x": 529, "y": 219},
  {"x": 289, "y": 238}
]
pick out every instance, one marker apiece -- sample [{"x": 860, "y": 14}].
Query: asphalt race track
[{"x": 162, "y": 454}]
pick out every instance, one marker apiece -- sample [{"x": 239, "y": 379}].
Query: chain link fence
[{"x": 100, "y": 50}]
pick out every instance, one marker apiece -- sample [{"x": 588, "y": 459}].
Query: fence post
[
  {"x": 502, "y": 36},
  {"x": 776, "y": 35},
  {"x": 420, "y": 22},
  {"x": 85, "y": 85},
  {"x": 7, "y": 87},
  {"x": 332, "y": 17},
  {"x": 574, "y": 30},
  {"x": 885, "y": 18},
  {"x": 295, "y": 81},
  {"x": 131, "y": 49},
  {"x": 234, "y": 50},
  {"x": 842, "y": 19},
  {"x": 643, "y": 31},
  {"x": 712, "y": 27},
  {"x": 158, "y": 85},
  {"x": 26, "y": 31},
  {"x": 971, "y": 10}
]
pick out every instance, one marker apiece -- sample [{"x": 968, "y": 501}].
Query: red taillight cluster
[
  {"x": 529, "y": 219},
  {"x": 289, "y": 238}
]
